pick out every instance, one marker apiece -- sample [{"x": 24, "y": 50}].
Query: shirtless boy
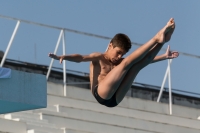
[{"x": 111, "y": 76}]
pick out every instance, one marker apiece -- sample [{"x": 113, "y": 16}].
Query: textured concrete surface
[
  {"x": 79, "y": 112},
  {"x": 8, "y": 126}
]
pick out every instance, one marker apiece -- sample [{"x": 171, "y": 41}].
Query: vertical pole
[
  {"x": 170, "y": 89},
  {"x": 55, "y": 51},
  {"x": 163, "y": 83},
  {"x": 10, "y": 43},
  {"x": 108, "y": 46},
  {"x": 64, "y": 66}
]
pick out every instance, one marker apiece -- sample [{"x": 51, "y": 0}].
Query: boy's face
[{"x": 115, "y": 53}]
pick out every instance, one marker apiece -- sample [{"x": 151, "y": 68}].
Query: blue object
[
  {"x": 5, "y": 72},
  {"x": 23, "y": 91}
]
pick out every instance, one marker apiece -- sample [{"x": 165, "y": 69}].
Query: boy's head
[
  {"x": 119, "y": 45},
  {"x": 122, "y": 41}
]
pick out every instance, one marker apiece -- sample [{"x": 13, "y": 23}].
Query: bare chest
[{"x": 105, "y": 67}]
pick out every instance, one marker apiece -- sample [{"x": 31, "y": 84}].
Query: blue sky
[{"x": 139, "y": 19}]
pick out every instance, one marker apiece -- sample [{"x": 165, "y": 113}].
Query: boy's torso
[{"x": 99, "y": 69}]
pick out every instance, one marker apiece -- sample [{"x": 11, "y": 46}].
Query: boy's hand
[
  {"x": 51, "y": 55},
  {"x": 171, "y": 54}
]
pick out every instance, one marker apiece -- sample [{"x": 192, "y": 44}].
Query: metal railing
[
  {"x": 62, "y": 37},
  {"x": 167, "y": 73}
]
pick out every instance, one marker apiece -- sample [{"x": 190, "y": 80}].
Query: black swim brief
[{"x": 109, "y": 103}]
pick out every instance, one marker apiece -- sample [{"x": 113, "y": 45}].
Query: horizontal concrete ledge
[
  {"x": 138, "y": 125},
  {"x": 23, "y": 91},
  {"x": 116, "y": 120},
  {"x": 127, "y": 103},
  {"x": 44, "y": 129},
  {"x": 10, "y": 126}
]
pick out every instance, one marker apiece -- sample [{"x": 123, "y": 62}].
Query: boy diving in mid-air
[{"x": 111, "y": 76}]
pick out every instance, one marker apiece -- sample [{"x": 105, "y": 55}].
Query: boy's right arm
[{"x": 77, "y": 57}]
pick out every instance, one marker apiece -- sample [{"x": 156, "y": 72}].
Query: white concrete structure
[{"x": 78, "y": 112}]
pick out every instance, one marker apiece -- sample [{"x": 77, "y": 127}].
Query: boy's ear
[{"x": 110, "y": 45}]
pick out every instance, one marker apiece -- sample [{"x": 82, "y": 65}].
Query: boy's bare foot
[
  {"x": 53, "y": 56},
  {"x": 169, "y": 34},
  {"x": 164, "y": 34}
]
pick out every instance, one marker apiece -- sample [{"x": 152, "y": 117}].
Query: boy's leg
[
  {"x": 112, "y": 81},
  {"x": 133, "y": 71}
]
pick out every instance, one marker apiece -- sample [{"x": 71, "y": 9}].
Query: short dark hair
[{"x": 121, "y": 40}]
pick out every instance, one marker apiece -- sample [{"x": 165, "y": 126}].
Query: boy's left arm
[{"x": 168, "y": 55}]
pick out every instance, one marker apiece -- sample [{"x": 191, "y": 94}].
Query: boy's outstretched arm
[
  {"x": 168, "y": 55},
  {"x": 76, "y": 57}
]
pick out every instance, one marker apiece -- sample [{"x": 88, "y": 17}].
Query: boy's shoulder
[{"x": 97, "y": 54}]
